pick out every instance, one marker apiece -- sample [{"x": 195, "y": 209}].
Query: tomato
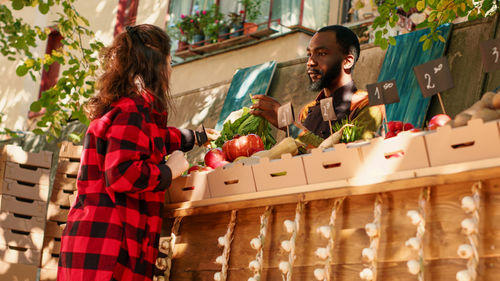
[
  {"x": 390, "y": 134},
  {"x": 438, "y": 121},
  {"x": 394, "y": 126},
  {"x": 407, "y": 126},
  {"x": 242, "y": 146}
]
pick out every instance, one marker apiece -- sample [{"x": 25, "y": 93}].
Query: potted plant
[
  {"x": 214, "y": 24},
  {"x": 223, "y": 30},
  {"x": 252, "y": 11},
  {"x": 184, "y": 33},
  {"x": 236, "y": 23},
  {"x": 198, "y": 21}
]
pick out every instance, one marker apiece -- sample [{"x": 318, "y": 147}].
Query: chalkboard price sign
[
  {"x": 382, "y": 93},
  {"x": 285, "y": 115},
  {"x": 434, "y": 77},
  {"x": 490, "y": 54}
]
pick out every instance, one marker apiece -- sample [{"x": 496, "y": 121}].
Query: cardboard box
[
  {"x": 24, "y": 189},
  {"x": 54, "y": 229},
  {"x": 49, "y": 260},
  {"x": 284, "y": 172},
  {"x": 192, "y": 187},
  {"x": 404, "y": 152},
  {"x": 66, "y": 166},
  {"x": 334, "y": 164},
  {"x": 22, "y": 206},
  {"x": 62, "y": 197},
  {"x": 29, "y": 174},
  {"x": 65, "y": 181},
  {"x": 17, "y": 272},
  {"x": 476, "y": 141},
  {"x": 57, "y": 213},
  {"x": 11, "y": 254},
  {"x": 24, "y": 239},
  {"x": 16, "y": 154},
  {"x": 22, "y": 222},
  {"x": 52, "y": 244},
  {"x": 237, "y": 179},
  {"x": 70, "y": 151},
  {"x": 48, "y": 274}
]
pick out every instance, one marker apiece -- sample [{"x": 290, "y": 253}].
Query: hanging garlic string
[
  {"x": 258, "y": 244},
  {"x": 225, "y": 242},
  {"x": 329, "y": 233},
  {"x": 171, "y": 244},
  {"x": 293, "y": 228},
  {"x": 470, "y": 227},
  {"x": 418, "y": 218},
  {"x": 373, "y": 231}
]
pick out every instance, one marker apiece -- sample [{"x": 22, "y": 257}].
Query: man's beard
[{"x": 326, "y": 78}]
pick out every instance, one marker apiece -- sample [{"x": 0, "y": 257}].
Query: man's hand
[
  {"x": 267, "y": 108},
  {"x": 177, "y": 163}
]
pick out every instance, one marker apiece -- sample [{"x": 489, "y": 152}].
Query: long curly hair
[{"x": 137, "y": 55}]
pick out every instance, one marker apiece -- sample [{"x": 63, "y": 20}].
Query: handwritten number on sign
[
  {"x": 495, "y": 53},
  {"x": 377, "y": 93},
  {"x": 429, "y": 84},
  {"x": 326, "y": 106}
]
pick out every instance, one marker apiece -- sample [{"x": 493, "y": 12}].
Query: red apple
[
  {"x": 207, "y": 168},
  {"x": 194, "y": 168},
  {"x": 438, "y": 121},
  {"x": 214, "y": 157},
  {"x": 390, "y": 134},
  {"x": 398, "y": 126}
]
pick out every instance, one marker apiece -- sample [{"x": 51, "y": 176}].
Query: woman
[{"x": 113, "y": 228}]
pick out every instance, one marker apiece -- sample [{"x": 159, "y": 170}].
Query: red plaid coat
[{"x": 113, "y": 228}]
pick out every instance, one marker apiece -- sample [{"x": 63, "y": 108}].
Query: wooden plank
[
  {"x": 16, "y": 154},
  {"x": 441, "y": 241},
  {"x": 467, "y": 172}
]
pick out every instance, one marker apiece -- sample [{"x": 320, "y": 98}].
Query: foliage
[
  {"x": 63, "y": 102},
  {"x": 252, "y": 9},
  {"x": 236, "y": 19},
  {"x": 350, "y": 133},
  {"x": 437, "y": 12}
]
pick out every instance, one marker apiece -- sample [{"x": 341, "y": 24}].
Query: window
[{"x": 126, "y": 15}]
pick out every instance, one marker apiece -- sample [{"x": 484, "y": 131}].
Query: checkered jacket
[{"x": 114, "y": 225}]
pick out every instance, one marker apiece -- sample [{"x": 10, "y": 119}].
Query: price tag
[
  {"x": 382, "y": 93},
  {"x": 285, "y": 115},
  {"x": 434, "y": 77},
  {"x": 327, "y": 109},
  {"x": 490, "y": 54}
]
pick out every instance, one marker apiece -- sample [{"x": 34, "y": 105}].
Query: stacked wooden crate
[
  {"x": 24, "y": 191},
  {"x": 62, "y": 196}
]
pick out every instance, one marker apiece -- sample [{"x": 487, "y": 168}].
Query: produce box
[
  {"x": 25, "y": 190},
  {"x": 237, "y": 179},
  {"x": 57, "y": 213},
  {"x": 334, "y": 164},
  {"x": 49, "y": 259},
  {"x": 15, "y": 154},
  {"x": 18, "y": 238},
  {"x": 70, "y": 151},
  {"x": 48, "y": 274},
  {"x": 22, "y": 206},
  {"x": 284, "y": 172},
  {"x": 25, "y": 173},
  {"x": 476, "y": 141},
  {"x": 67, "y": 166},
  {"x": 12, "y": 254},
  {"x": 22, "y": 222},
  {"x": 17, "y": 272},
  {"x": 192, "y": 187},
  {"x": 404, "y": 152},
  {"x": 62, "y": 197},
  {"x": 65, "y": 182}
]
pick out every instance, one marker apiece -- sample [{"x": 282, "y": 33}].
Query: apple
[
  {"x": 194, "y": 168},
  {"x": 390, "y": 134},
  {"x": 438, "y": 121},
  {"x": 398, "y": 126},
  {"x": 215, "y": 158},
  {"x": 407, "y": 126}
]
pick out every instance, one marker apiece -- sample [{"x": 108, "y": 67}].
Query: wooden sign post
[
  {"x": 328, "y": 111},
  {"x": 286, "y": 117},
  {"x": 490, "y": 54},
  {"x": 434, "y": 77},
  {"x": 385, "y": 92}
]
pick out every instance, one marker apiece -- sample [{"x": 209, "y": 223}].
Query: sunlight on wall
[{"x": 152, "y": 12}]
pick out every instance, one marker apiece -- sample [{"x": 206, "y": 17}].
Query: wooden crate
[
  {"x": 57, "y": 213},
  {"x": 67, "y": 166},
  {"x": 65, "y": 181},
  {"x": 285, "y": 172},
  {"x": 17, "y": 272},
  {"x": 18, "y": 238},
  {"x": 238, "y": 179},
  {"x": 49, "y": 260},
  {"x": 48, "y": 274},
  {"x": 52, "y": 238},
  {"x": 70, "y": 151},
  {"x": 61, "y": 196},
  {"x": 24, "y": 189},
  {"x": 192, "y": 187},
  {"x": 22, "y": 206}
]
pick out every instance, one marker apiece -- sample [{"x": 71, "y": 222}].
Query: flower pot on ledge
[
  {"x": 224, "y": 33},
  {"x": 236, "y": 30},
  {"x": 250, "y": 27},
  {"x": 198, "y": 40}
]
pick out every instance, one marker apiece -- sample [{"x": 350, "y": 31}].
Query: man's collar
[{"x": 343, "y": 93}]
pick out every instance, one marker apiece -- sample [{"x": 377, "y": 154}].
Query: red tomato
[
  {"x": 390, "y": 134},
  {"x": 398, "y": 125},
  {"x": 242, "y": 146},
  {"x": 407, "y": 126},
  {"x": 438, "y": 121}
]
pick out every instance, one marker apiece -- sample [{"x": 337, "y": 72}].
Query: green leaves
[
  {"x": 17, "y": 4},
  {"x": 21, "y": 70}
]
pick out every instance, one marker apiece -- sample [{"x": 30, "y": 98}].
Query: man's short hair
[{"x": 346, "y": 39}]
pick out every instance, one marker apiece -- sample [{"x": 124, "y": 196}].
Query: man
[{"x": 332, "y": 54}]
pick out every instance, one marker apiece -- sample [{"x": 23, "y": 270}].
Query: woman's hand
[{"x": 177, "y": 163}]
